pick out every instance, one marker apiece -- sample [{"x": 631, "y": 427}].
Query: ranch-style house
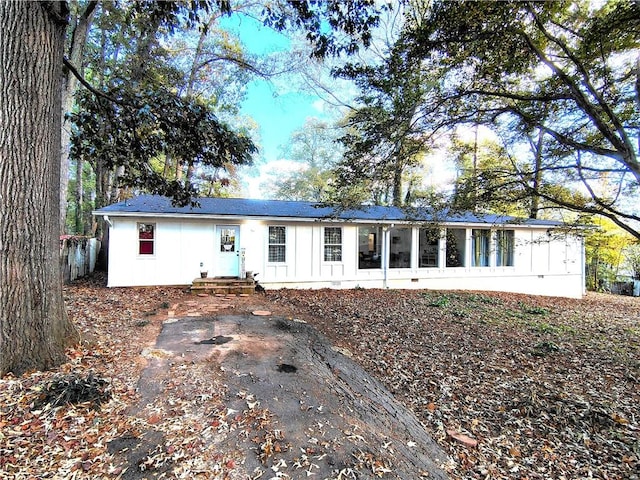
[{"x": 307, "y": 245}]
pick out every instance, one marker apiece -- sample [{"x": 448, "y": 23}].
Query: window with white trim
[
  {"x": 146, "y": 238},
  {"x": 400, "y": 247},
  {"x": 332, "y": 244},
  {"x": 429, "y": 247},
  {"x": 277, "y": 244}
]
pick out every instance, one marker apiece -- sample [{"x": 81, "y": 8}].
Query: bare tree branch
[{"x": 90, "y": 87}]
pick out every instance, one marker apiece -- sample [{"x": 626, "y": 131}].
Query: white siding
[
  {"x": 180, "y": 246},
  {"x": 543, "y": 264},
  {"x": 253, "y": 238}
]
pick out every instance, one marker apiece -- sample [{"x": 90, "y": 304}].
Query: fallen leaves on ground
[
  {"x": 512, "y": 386},
  {"x": 85, "y": 420}
]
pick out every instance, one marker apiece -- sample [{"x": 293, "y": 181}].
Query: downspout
[{"x": 106, "y": 219}]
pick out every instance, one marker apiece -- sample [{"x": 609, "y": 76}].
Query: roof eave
[{"x": 275, "y": 218}]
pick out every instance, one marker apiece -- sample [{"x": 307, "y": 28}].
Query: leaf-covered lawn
[
  {"x": 43, "y": 438},
  {"x": 547, "y": 387}
]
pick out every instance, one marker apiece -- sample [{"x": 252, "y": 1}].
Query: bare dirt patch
[{"x": 274, "y": 401}]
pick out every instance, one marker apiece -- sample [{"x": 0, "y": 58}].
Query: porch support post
[{"x": 385, "y": 255}]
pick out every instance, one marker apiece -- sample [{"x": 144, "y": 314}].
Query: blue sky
[{"x": 278, "y": 113}]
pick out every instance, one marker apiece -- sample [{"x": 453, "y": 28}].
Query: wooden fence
[{"x": 77, "y": 256}]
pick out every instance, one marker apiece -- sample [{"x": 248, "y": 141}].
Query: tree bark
[
  {"x": 190, "y": 85},
  {"x": 397, "y": 181},
  {"x": 34, "y": 328}
]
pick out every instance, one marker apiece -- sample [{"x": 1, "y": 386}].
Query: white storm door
[{"x": 227, "y": 251}]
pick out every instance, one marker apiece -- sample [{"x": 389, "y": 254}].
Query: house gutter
[{"x": 365, "y": 221}]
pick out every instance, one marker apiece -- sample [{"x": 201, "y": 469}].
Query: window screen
[
  {"x": 480, "y": 247},
  {"x": 504, "y": 248}
]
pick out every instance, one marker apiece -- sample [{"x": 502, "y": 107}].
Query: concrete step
[{"x": 223, "y": 286}]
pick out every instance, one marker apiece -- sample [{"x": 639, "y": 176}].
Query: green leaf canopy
[{"x": 142, "y": 126}]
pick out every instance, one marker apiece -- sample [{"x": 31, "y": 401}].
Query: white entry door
[{"x": 227, "y": 251}]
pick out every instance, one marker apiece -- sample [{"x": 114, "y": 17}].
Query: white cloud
[
  {"x": 253, "y": 185},
  {"x": 319, "y": 105}
]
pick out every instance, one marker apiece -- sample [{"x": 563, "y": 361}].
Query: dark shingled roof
[{"x": 154, "y": 204}]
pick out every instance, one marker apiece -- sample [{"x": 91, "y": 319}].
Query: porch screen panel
[
  {"x": 504, "y": 248},
  {"x": 369, "y": 247},
  {"x": 480, "y": 247},
  {"x": 429, "y": 247},
  {"x": 277, "y": 244},
  {"x": 400, "y": 248},
  {"x": 456, "y": 247}
]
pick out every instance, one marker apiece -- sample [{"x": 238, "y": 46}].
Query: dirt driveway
[{"x": 294, "y": 406}]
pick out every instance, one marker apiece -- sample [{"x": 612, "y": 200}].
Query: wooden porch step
[{"x": 223, "y": 286}]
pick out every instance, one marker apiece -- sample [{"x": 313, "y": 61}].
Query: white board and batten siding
[
  {"x": 179, "y": 248},
  {"x": 545, "y": 261},
  {"x": 542, "y": 266}
]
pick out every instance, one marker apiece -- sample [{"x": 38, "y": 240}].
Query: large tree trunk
[
  {"x": 34, "y": 328},
  {"x": 397, "y": 183},
  {"x": 204, "y": 32}
]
